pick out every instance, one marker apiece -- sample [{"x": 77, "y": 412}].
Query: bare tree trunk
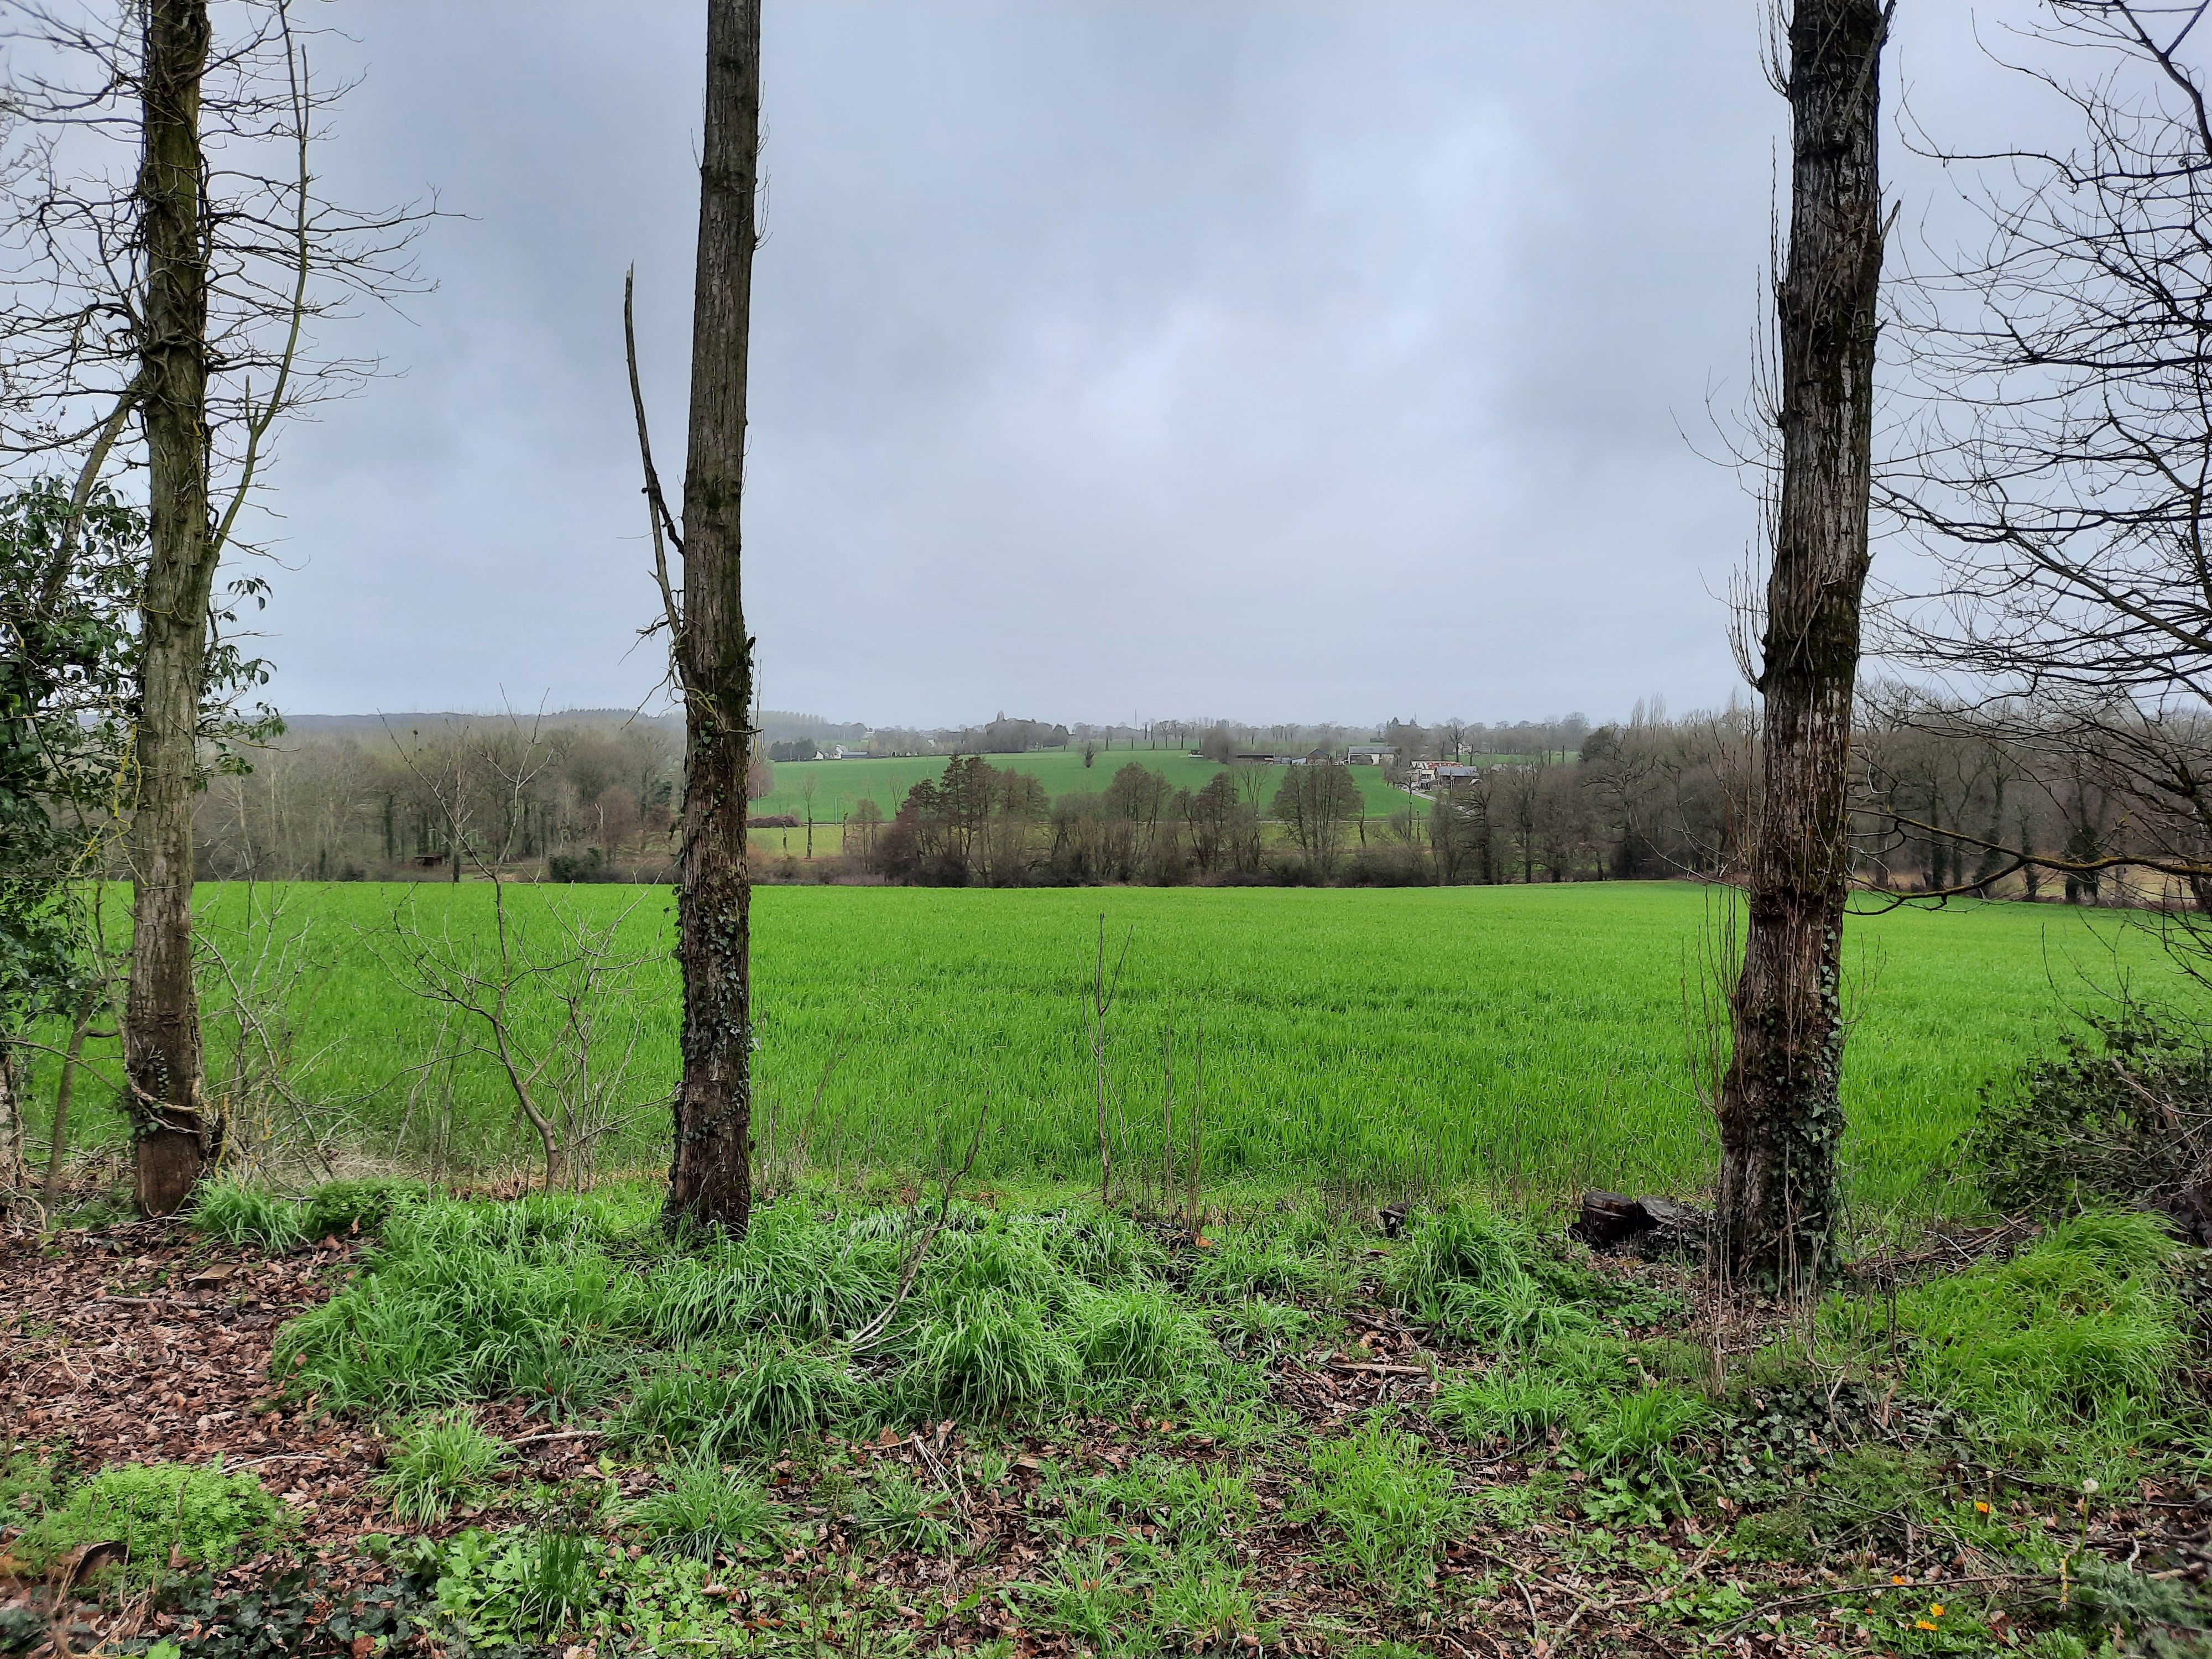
[
  {"x": 11, "y": 1121},
  {"x": 58, "y": 1140},
  {"x": 161, "y": 1030},
  {"x": 709, "y": 1180},
  {"x": 1781, "y": 1116}
]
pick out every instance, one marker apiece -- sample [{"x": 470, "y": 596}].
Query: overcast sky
[{"x": 1239, "y": 357}]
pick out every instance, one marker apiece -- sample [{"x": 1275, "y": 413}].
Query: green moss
[{"x": 199, "y": 1516}]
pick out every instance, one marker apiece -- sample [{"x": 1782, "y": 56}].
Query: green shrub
[
  {"x": 208, "y": 1518},
  {"x": 706, "y": 1510},
  {"x": 793, "y": 1271},
  {"x": 2095, "y": 1123},
  {"x": 29, "y": 1482},
  {"x": 2082, "y": 1329},
  {"x": 340, "y": 1207},
  {"x": 375, "y": 1344},
  {"x": 1671, "y": 1359},
  {"x": 437, "y": 1463},
  {"x": 1390, "y": 1503},
  {"x": 1004, "y": 1264}
]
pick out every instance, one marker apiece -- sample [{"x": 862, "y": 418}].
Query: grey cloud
[{"x": 1296, "y": 359}]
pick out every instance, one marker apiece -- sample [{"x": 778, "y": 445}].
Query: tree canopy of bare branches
[{"x": 2060, "y": 464}]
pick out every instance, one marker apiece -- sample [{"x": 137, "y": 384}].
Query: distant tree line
[
  {"x": 1647, "y": 799},
  {"x": 1941, "y": 802},
  {"x": 600, "y": 800}
]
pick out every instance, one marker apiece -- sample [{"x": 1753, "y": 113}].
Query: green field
[
  {"x": 1529, "y": 1037},
  {"x": 840, "y": 785}
]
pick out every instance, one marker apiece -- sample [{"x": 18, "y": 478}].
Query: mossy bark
[
  {"x": 1781, "y": 1113},
  {"x": 161, "y": 1027},
  {"x": 709, "y": 1180}
]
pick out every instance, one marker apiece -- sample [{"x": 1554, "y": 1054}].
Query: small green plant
[
  {"x": 439, "y": 1461},
  {"x": 1628, "y": 1444},
  {"x": 1203, "y": 1604},
  {"x": 1084, "y": 1595},
  {"x": 29, "y": 1480},
  {"x": 522, "y": 1587},
  {"x": 238, "y": 1212},
  {"x": 1390, "y": 1503},
  {"x": 902, "y": 1513},
  {"x": 1869, "y": 1498},
  {"x": 1516, "y": 1406},
  {"x": 340, "y": 1207},
  {"x": 160, "y": 1511},
  {"x": 1265, "y": 1327},
  {"x": 1195, "y": 1504},
  {"x": 706, "y": 1510}
]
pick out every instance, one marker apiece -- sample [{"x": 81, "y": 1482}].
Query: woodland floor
[{"x": 142, "y": 1342}]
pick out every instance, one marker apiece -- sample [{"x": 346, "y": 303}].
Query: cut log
[
  {"x": 1608, "y": 1217},
  {"x": 1613, "y": 1218}
]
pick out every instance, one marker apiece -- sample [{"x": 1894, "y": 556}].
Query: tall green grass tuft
[
  {"x": 241, "y": 1214},
  {"x": 750, "y": 1398},
  {"x": 988, "y": 1355},
  {"x": 1515, "y": 1406},
  {"x": 1392, "y": 1504},
  {"x": 1142, "y": 1335},
  {"x": 706, "y": 1510},
  {"x": 438, "y": 1463},
  {"x": 2078, "y": 1334}
]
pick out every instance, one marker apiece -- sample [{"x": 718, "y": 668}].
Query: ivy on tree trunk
[
  {"x": 709, "y": 1180},
  {"x": 1780, "y": 1114}
]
